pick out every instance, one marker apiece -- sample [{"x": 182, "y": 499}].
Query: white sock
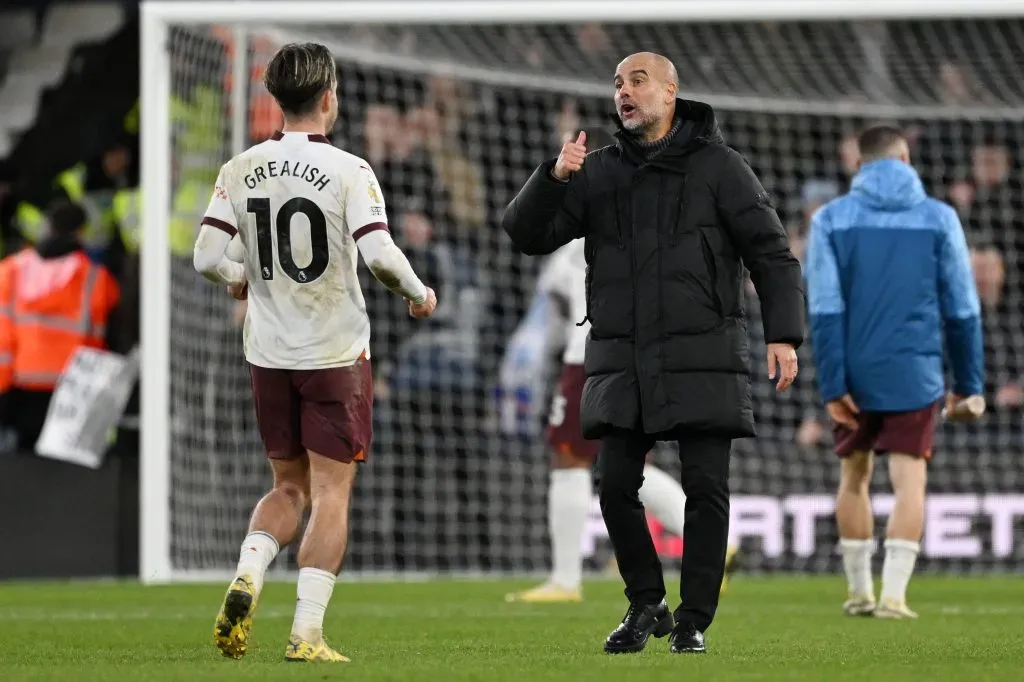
[
  {"x": 569, "y": 496},
  {"x": 258, "y": 551},
  {"x": 664, "y": 497},
  {"x": 900, "y": 557},
  {"x": 313, "y": 594},
  {"x": 857, "y": 562}
]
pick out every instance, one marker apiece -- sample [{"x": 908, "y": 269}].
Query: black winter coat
[{"x": 666, "y": 244}]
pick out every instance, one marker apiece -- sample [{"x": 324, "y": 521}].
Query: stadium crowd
[{"x": 450, "y": 153}]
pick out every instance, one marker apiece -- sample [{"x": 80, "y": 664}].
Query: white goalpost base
[{"x": 184, "y": 481}]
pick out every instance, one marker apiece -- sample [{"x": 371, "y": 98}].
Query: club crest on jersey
[
  {"x": 220, "y": 192},
  {"x": 375, "y": 197}
]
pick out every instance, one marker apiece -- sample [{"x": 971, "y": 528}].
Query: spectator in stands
[
  {"x": 444, "y": 122},
  {"x": 957, "y": 87},
  {"x": 380, "y": 126},
  {"x": 92, "y": 185},
  {"x": 53, "y": 300},
  {"x": 993, "y": 210},
  {"x": 1003, "y": 336},
  {"x": 849, "y": 158}
]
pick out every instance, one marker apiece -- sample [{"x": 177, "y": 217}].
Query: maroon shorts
[
  {"x": 328, "y": 411},
  {"x": 564, "y": 433},
  {"x": 908, "y": 433}
]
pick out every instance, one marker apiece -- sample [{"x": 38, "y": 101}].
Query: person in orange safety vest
[{"x": 53, "y": 299}]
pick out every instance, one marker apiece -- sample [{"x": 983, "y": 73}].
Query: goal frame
[{"x": 158, "y": 16}]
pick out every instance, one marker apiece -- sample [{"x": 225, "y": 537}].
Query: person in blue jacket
[{"x": 888, "y": 280}]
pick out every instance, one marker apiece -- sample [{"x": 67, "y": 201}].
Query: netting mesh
[{"x": 453, "y": 120}]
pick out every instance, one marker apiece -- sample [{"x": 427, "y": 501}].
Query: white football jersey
[
  {"x": 299, "y": 204},
  {"x": 564, "y": 275}
]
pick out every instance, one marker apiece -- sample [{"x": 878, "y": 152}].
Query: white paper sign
[{"x": 87, "y": 403}]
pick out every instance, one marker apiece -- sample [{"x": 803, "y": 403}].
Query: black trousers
[{"x": 705, "y": 480}]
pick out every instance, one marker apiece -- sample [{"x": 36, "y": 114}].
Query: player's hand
[
  {"x": 843, "y": 412},
  {"x": 239, "y": 292},
  {"x": 425, "y": 309},
  {"x": 963, "y": 408},
  {"x": 571, "y": 158},
  {"x": 782, "y": 357}
]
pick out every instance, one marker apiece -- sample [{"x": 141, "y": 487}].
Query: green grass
[{"x": 768, "y": 629}]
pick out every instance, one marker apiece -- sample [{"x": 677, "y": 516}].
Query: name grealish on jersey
[{"x": 290, "y": 169}]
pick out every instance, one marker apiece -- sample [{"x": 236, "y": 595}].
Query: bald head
[{"x": 646, "y": 85}]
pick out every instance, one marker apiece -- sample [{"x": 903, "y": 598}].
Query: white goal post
[{"x": 157, "y": 19}]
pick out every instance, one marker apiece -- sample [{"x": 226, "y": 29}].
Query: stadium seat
[
  {"x": 45, "y": 64},
  {"x": 19, "y": 101},
  {"x": 72, "y": 24},
  {"x": 17, "y": 28}
]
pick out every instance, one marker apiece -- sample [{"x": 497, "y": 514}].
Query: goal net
[{"x": 453, "y": 118}]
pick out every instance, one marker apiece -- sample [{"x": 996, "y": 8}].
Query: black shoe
[
  {"x": 686, "y": 639},
  {"x": 639, "y": 623}
]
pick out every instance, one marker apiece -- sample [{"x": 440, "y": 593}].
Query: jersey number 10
[{"x": 260, "y": 207}]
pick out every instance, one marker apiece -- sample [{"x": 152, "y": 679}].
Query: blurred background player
[
  {"x": 307, "y": 334},
  {"x": 563, "y": 282},
  {"x": 888, "y": 274}
]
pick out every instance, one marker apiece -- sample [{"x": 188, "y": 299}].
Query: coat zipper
[
  {"x": 636, "y": 299},
  {"x": 712, "y": 267}
]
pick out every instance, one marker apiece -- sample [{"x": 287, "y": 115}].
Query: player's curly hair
[{"x": 298, "y": 74}]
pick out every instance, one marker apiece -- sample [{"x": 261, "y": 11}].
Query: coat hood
[
  {"x": 888, "y": 185},
  {"x": 699, "y": 127}
]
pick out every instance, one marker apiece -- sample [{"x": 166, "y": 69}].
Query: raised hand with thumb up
[{"x": 571, "y": 158}]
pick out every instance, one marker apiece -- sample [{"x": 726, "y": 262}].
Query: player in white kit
[
  {"x": 302, "y": 210},
  {"x": 563, "y": 279}
]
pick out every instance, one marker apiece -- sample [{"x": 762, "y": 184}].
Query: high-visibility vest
[
  {"x": 48, "y": 308},
  {"x": 188, "y": 204},
  {"x": 128, "y": 216},
  {"x": 99, "y": 227}
]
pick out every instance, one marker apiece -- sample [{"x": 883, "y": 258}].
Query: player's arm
[
  {"x": 209, "y": 257},
  {"x": 547, "y": 213},
  {"x": 961, "y": 308},
  {"x": 367, "y": 217},
  {"x": 827, "y": 310},
  {"x": 756, "y": 231}
]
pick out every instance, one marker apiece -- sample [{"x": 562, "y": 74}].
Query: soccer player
[
  {"x": 301, "y": 209},
  {"x": 563, "y": 280},
  {"x": 888, "y": 274}
]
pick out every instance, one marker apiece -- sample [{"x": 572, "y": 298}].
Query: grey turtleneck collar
[{"x": 652, "y": 149}]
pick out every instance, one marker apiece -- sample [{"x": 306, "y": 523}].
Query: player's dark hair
[
  {"x": 298, "y": 74},
  {"x": 65, "y": 218},
  {"x": 878, "y": 141}
]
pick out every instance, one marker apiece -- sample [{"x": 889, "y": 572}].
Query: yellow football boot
[
  {"x": 894, "y": 610},
  {"x": 548, "y": 593},
  {"x": 301, "y": 651},
  {"x": 234, "y": 621},
  {"x": 859, "y": 605}
]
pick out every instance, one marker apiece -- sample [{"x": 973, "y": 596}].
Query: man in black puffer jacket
[{"x": 671, "y": 216}]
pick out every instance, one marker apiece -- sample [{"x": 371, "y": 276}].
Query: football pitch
[{"x": 768, "y": 628}]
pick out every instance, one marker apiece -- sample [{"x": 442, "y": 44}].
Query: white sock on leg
[
  {"x": 569, "y": 496},
  {"x": 857, "y": 563},
  {"x": 664, "y": 497},
  {"x": 900, "y": 557},
  {"x": 258, "y": 551},
  {"x": 314, "y": 594}
]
